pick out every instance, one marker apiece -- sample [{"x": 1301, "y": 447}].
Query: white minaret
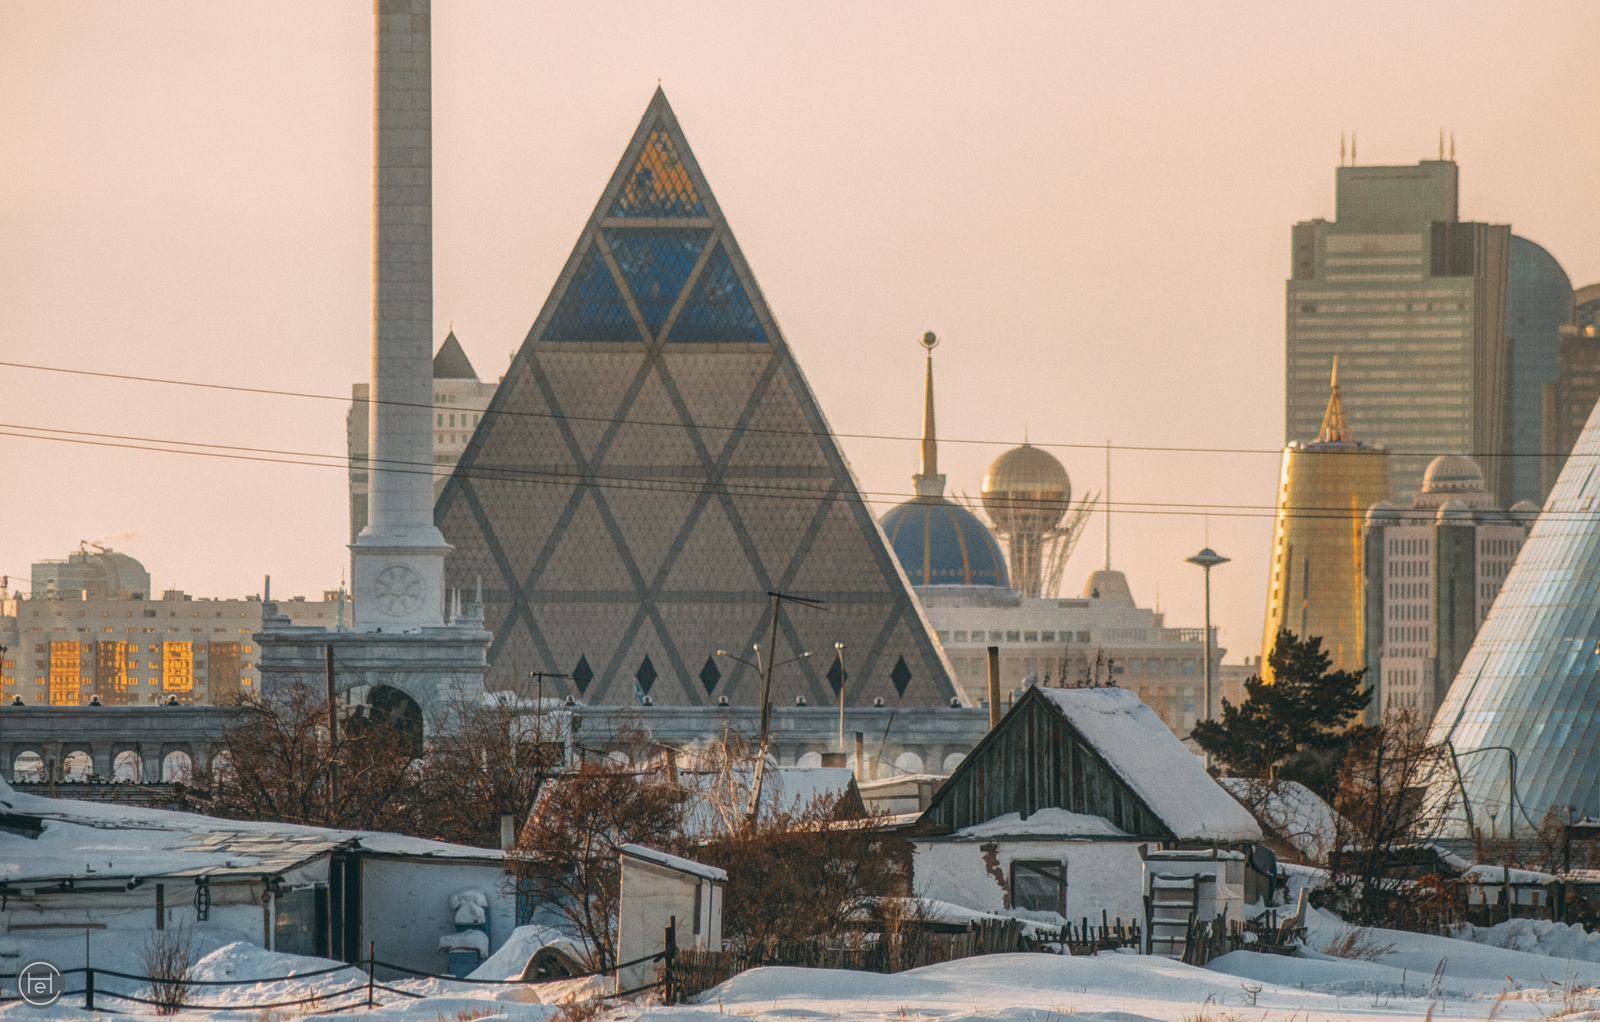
[{"x": 399, "y": 556}]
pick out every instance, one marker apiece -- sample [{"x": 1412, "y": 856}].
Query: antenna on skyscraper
[
  {"x": 1452, "y": 145},
  {"x": 1341, "y": 148},
  {"x": 1352, "y": 149},
  {"x": 1441, "y": 143},
  {"x": 1108, "y": 505}
]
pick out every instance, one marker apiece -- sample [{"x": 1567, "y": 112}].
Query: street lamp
[{"x": 1208, "y": 559}]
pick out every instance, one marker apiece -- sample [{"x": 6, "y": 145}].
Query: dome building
[
  {"x": 1026, "y": 493},
  {"x": 973, "y": 602},
  {"x": 1432, "y": 572},
  {"x": 937, "y": 541}
]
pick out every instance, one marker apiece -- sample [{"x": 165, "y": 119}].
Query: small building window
[
  {"x": 958, "y": 636},
  {"x": 1013, "y": 636},
  {"x": 1083, "y": 636},
  {"x": 1030, "y": 636},
  {"x": 1039, "y": 886},
  {"x": 1047, "y": 636}
]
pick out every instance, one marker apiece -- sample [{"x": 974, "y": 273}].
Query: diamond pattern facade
[{"x": 654, "y": 464}]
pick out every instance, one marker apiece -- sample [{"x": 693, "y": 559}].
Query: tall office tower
[
  {"x": 459, "y": 399},
  {"x": 1314, "y": 586},
  {"x": 1569, "y": 400},
  {"x": 1432, "y": 573},
  {"x": 1413, "y": 302},
  {"x": 1529, "y": 684},
  {"x": 1538, "y": 305}
]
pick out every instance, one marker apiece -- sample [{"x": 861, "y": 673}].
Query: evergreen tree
[{"x": 1305, "y": 708}]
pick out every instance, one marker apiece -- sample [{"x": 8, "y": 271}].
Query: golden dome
[{"x": 1026, "y": 490}]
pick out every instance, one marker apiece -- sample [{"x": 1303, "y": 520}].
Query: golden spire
[
  {"x": 1335, "y": 429},
  {"x": 929, "y": 482}
]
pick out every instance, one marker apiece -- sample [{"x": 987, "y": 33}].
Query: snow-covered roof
[
  {"x": 1049, "y": 822},
  {"x": 1145, "y": 753},
  {"x": 783, "y": 790},
  {"x": 116, "y": 841},
  {"x": 1289, "y": 810},
  {"x": 676, "y": 862}
]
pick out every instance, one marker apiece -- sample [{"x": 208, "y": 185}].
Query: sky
[{"x": 1089, "y": 203}]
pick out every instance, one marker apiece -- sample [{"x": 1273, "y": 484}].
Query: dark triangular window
[
  {"x": 655, "y": 261},
  {"x": 718, "y": 309},
  {"x": 901, "y": 676},
  {"x": 582, "y": 674},
  {"x": 645, "y": 676},
  {"x": 709, "y": 675},
  {"x": 659, "y": 183},
  {"x": 593, "y": 308}
]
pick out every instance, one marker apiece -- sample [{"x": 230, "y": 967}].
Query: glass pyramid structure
[
  {"x": 1530, "y": 682},
  {"x": 654, "y": 464}
]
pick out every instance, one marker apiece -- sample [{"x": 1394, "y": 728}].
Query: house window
[
  {"x": 960, "y": 637},
  {"x": 1039, "y": 886}
]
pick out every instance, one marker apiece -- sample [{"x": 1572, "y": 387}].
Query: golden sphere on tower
[{"x": 1026, "y": 490}]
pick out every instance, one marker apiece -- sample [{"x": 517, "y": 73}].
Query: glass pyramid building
[
  {"x": 1530, "y": 683},
  {"x": 654, "y": 464}
]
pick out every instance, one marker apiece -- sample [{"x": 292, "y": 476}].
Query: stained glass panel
[
  {"x": 901, "y": 676},
  {"x": 582, "y": 674},
  {"x": 659, "y": 184},
  {"x": 718, "y": 310},
  {"x": 593, "y": 308},
  {"x": 710, "y": 675},
  {"x": 656, "y": 261},
  {"x": 645, "y": 676}
]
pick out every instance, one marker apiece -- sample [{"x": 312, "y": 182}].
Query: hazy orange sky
[{"x": 1090, "y": 203}]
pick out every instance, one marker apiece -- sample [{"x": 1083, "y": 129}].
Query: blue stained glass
[
  {"x": 593, "y": 308},
  {"x": 718, "y": 310},
  {"x": 656, "y": 261}
]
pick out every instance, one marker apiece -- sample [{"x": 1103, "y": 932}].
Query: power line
[
  {"x": 609, "y": 420},
  {"x": 574, "y": 477}
]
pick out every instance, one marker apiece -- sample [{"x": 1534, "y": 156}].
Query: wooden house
[{"x": 1049, "y": 812}]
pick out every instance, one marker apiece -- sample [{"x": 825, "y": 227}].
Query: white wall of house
[
  {"x": 1101, "y": 875},
  {"x": 652, "y": 896},
  {"x": 405, "y": 906}
]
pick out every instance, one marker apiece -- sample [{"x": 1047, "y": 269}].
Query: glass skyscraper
[
  {"x": 1531, "y": 682},
  {"x": 1412, "y": 301},
  {"x": 1538, "y": 306}
]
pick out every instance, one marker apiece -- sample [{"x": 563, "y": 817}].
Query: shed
[
  {"x": 69, "y": 866},
  {"x": 1049, "y": 812},
  {"x": 661, "y": 890}
]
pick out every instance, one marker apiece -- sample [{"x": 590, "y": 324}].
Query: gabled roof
[
  {"x": 451, "y": 363},
  {"x": 677, "y": 863},
  {"x": 1092, "y": 751}
]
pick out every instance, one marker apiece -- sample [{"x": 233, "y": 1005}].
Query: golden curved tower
[{"x": 1315, "y": 580}]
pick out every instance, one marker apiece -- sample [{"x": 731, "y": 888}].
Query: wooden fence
[{"x": 910, "y": 947}]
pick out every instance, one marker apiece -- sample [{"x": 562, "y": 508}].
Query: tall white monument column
[{"x": 399, "y": 557}]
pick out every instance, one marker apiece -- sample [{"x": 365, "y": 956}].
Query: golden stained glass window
[{"x": 659, "y": 184}]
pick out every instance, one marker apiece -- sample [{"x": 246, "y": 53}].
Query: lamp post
[{"x": 1208, "y": 559}]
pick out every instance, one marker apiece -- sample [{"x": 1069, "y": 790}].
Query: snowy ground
[{"x": 1412, "y": 977}]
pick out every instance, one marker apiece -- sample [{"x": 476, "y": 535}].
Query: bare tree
[
  {"x": 569, "y": 852},
  {"x": 279, "y": 764},
  {"x": 1383, "y": 813}
]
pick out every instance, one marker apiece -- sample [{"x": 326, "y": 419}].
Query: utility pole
[
  {"x": 766, "y": 668},
  {"x": 333, "y": 735},
  {"x": 538, "y": 710},
  {"x": 839, "y": 648}
]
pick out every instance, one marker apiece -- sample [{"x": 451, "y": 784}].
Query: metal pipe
[{"x": 994, "y": 686}]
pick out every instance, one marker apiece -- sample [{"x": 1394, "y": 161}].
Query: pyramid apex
[{"x": 451, "y": 362}]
